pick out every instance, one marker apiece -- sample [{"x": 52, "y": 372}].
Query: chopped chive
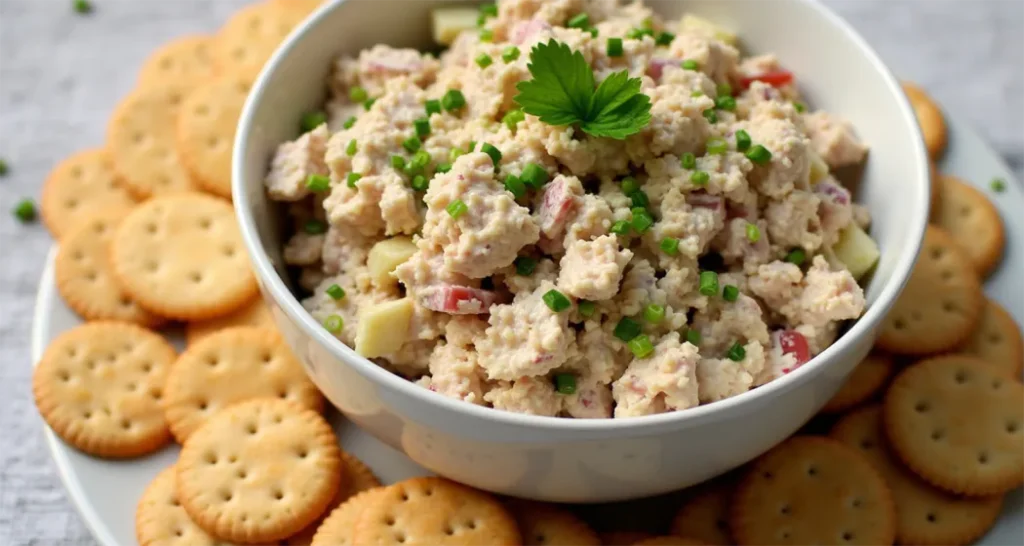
[
  {"x": 443, "y": 167},
  {"x": 696, "y": 93},
  {"x": 312, "y": 120},
  {"x": 586, "y": 308},
  {"x": 352, "y": 148},
  {"x": 621, "y": 227},
  {"x": 515, "y": 186},
  {"x": 797, "y": 256},
  {"x": 726, "y": 102},
  {"x": 368, "y": 103},
  {"x": 489, "y": 10},
  {"x": 639, "y": 33},
  {"x": 484, "y": 60},
  {"x": 357, "y": 94},
  {"x": 641, "y": 346},
  {"x": 534, "y": 176},
  {"x": 398, "y": 162},
  {"x": 491, "y": 151},
  {"x": 456, "y": 209},
  {"x": 454, "y": 154},
  {"x": 432, "y": 106},
  {"x": 512, "y": 118},
  {"x": 453, "y": 100},
  {"x": 670, "y": 246},
  {"x": 472, "y": 145},
  {"x": 556, "y": 301},
  {"x": 654, "y": 313},
  {"x": 420, "y": 183},
  {"x": 998, "y": 185},
  {"x": 736, "y": 352},
  {"x": 334, "y": 323},
  {"x": 711, "y": 115},
  {"x": 525, "y": 266},
  {"x": 642, "y": 220},
  {"x": 688, "y": 161},
  {"x": 759, "y": 154},
  {"x": 799, "y": 107},
  {"x": 25, "y": 211},
  {"x": 314, "y": 226},
  {"x": 352, "y": 178},
  {"x": 690, "y": 64},
  {"x": 627, "y": 329},
  {"x": 349, "y": 122},
  {"x": 510, "y": 54},
  {"x": 565, "y": 383},
  {"x": 716, "y": 146},
  {"x": 753, "y": 233},
  {"x": 420, "y": 159},
  {"x": 486, "y": 35},
  {"x": 335, "y": 292},
  {"x": 581, "y": 21},
  {"x": 639, "y": 199},
  {"x": 700, "y": 178},
  {"x": 83, "y": 7},
  {"x": 709, "y": 283},
  {"x": 629, "y": 185},
  {"x": 693, "y": 337},
  {"x": 723, "y": 89},
  {"x": 742, "y": 140},
  {"x": 730, "y": 293},
  {"x": 318, "y": 183},
  {"x": 614, "y": 47},
  {"x": 412, "y": 144},
  {"x": 593, "y": 32},
  {"x": 664, "y": 38},
  {"x": 422, "y": 126}
]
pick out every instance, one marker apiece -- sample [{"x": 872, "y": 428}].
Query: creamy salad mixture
[{"x": 679, "y": 243}]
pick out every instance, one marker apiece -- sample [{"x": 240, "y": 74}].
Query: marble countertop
[{"x": 61, "y": 75}]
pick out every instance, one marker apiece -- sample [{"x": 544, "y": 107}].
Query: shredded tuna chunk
[
  {"x": 664, "y": 381},
  {"x": 591, "y": 270},
  {"x": 833, "y": 139},
  {"x": 294, "y": 162},
  {"x": 525, "y": 338}
]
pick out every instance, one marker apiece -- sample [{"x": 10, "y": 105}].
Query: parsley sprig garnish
[{"x": 562, "y": 92}]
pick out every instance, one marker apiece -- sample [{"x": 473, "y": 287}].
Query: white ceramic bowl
[{"x": 573, "y": 459}]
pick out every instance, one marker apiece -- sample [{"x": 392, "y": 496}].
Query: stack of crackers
[{"x": 148, "y": 239}]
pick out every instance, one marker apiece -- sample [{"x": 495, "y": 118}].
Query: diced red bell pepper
[
  {"x": 775, "y": 78},
  {"x": 457, "y": 300}
]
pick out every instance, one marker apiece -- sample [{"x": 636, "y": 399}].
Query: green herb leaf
[{"x": 618, "y": 108}]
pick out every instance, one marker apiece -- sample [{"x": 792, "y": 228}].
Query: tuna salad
[{"x": 576, "y": 209}]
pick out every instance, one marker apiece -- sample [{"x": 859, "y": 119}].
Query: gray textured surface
[{"x": 61, "y": 75}]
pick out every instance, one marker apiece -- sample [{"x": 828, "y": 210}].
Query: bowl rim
[{"x": 274, "y": 285}]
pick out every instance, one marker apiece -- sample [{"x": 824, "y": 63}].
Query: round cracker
[
  {"x": 957, "y": 422},
  {"x": 337, "y": 528},
  {"x": 255, "y": 313},
  {"x": 84, "y": 277},
  {"x": 99, "y": 387},
  {"x": 812, "y": 490},
  {"x": 140, "y": 140},
  {"x": 867, "y": 379},
  {"x": 929, "y": 119},
  {"x": 358, "y": 478},
  {"x": 705, "y": 515},
  {"x": 161, "y": 521},
  {"x": 248, "y": 39},
  {"x": 185, "y": 61},
  {"x": 924, "y": 514},
  {"x": 206, "y": 130},
  {"x": 997, "y": 340},
  {"x": 229, "y": 367},
  {"x": 973, "y": 222},
  {"x": 941, "y": 303},
  {"x": 77, "y": 187},
  {"x": 543, "y": 524},
  {"x": 259, "y": 471},
  {"x": 435, "y": 511},
  {"x": 181, "y": 256}
]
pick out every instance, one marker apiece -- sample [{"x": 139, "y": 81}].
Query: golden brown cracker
[
  {"x": 228, "y": 367},
  {"x": 161, "y": 521},
  {"x": 248, "y": 39},
  {"x": 924, "y": 515},
  {"x": 973, "y": 222},
  {"x": 997, "y": 340},
  {"x": 940, "y": 305},
  {"x": 812, "y": 490},
  {"x": 705, "y": 515},
  {"x": 181, "y": 256},
  {"x": 84, "y": 277},
  {"x": 957, "y": 423},
  {"x": 99, "y": 386},
  {"x": 206, "y": 130},
  {"x": 79, "y": 186},
  {"x": 336, "y": 530},
  {"x": 543, "y": 524},
  {"x": 867, "y": 379},
  {"x": 929, "y": 119},
  {"x": 358, "y": 478},
  {"x": 435, "y": 511},
  {"x": 141, "y": 142},
  {"x": 259, "y": 471},
  {"x": 255, "y": 313},
  {"x": 185, "y": 61}
]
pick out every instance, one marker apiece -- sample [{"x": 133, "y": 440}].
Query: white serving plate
[{"x": 106, "y": 492}]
